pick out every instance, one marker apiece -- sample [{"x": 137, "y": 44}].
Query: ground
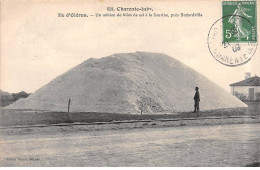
[
  {"x": 217, "y": 138},
  {"x": 226, "y": 145},
  {"x": 27, "y": 117}
]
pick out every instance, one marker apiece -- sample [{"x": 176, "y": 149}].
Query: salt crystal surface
[{"x": 129, "y": 83}]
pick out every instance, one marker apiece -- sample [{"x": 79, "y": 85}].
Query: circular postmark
[{"x": 231, "y": 53}]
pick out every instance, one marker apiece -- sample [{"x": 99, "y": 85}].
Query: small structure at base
[{"x": 248, "y": 89}]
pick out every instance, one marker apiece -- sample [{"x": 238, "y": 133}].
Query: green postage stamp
[
  {"x": 239, "y": 21},
  {"x": 232, "y": 39}
]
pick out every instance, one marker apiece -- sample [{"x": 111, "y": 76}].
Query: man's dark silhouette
[{"x": 197, "y": 101}]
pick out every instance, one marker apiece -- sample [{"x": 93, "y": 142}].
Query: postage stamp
[
  {"x": 232, "y": 39},
  {"x": 240, "y": 25}
]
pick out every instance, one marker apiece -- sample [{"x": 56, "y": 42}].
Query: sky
[{"x": 37, "y": 45}]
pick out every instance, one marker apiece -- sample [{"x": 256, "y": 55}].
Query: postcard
[{"x": 114, "y": 83}]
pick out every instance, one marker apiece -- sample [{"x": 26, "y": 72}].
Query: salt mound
[{"x": 129, "y": 83}]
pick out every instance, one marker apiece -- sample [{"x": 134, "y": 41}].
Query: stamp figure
[{"x": 241, "y": 32}]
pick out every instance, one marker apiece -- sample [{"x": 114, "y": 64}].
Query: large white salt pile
[{"x": 128, "y": 83}]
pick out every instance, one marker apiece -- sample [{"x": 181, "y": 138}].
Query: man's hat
[{"x": 197, "y": 88}]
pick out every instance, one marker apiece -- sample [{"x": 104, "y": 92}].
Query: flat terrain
[
  {"x": 216, "y": 138},
  {"x": 226, "y": 145},
  {"x": 27, "y": 117}
]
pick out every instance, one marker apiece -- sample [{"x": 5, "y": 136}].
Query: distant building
[{"x": 248, "y": 89}]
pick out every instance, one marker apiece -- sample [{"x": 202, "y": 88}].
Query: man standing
[{"x": 196, "y": 100}]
